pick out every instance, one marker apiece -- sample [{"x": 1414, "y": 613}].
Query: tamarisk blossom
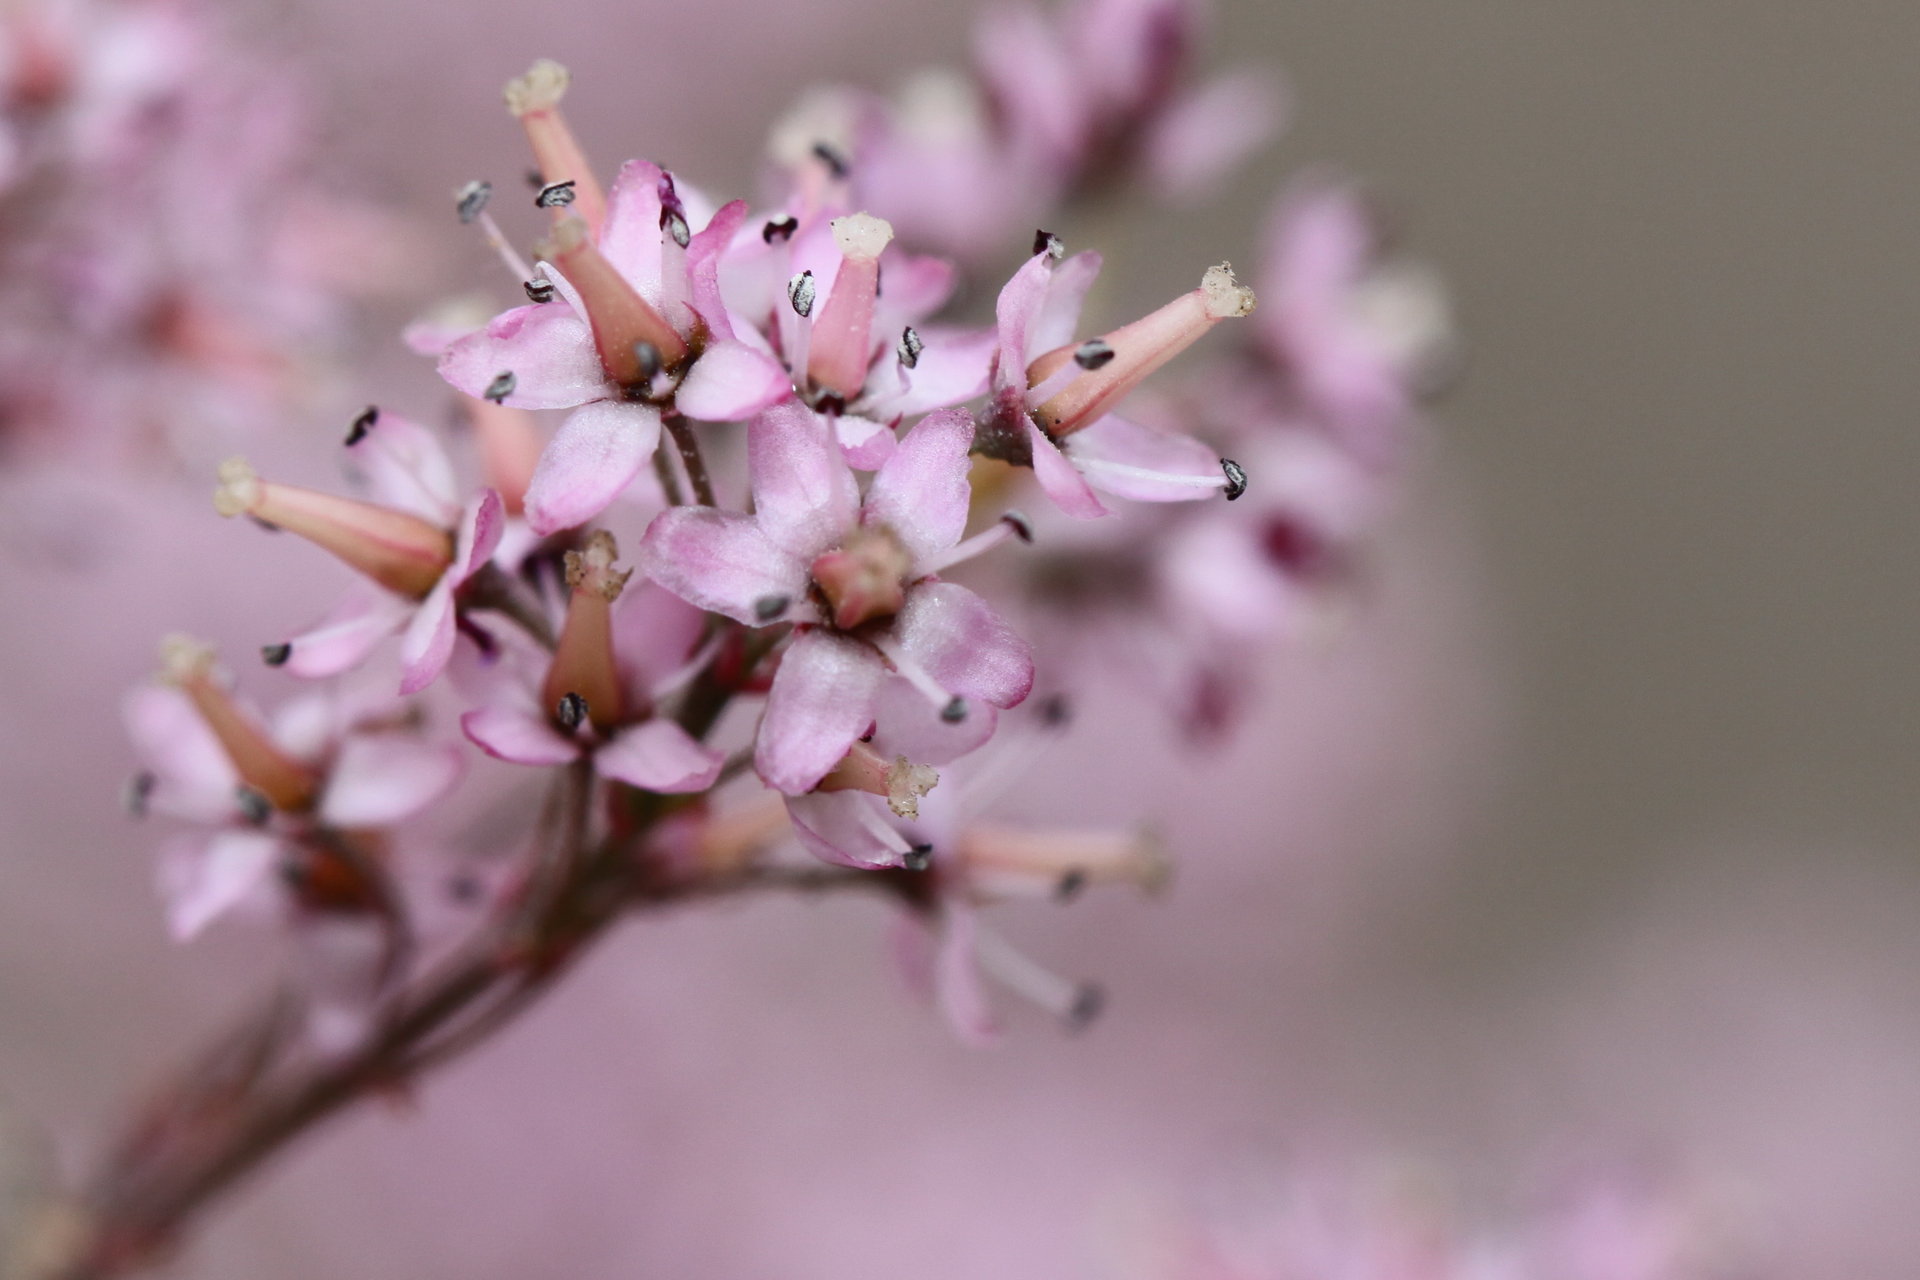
[
  {"x": 627, "y": 322},
  {"x": 857, "y": 578},
  {"x": 300, "y": 801},
  {"x": 1053, "y": 399},
  {"x": 416, "y": 549},
  {"x": 619, "y": 652}
]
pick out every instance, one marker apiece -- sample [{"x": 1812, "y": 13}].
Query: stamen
[
  {"x": 843, "y": 341},
  {"x": 676, "y": 235},
  {"x": 1236, "y": 479},
  {"x": 535, "y": 99},
  {"x": 555, "y": 195},
  {"x": 1093, "y": 353},
  {"x": 619, "y": 315},
  {"x": 1139, "y": 349},
  {"x": 539, "y": 291},
  {"x": 864, "y": 578},
  {"x": 955, "y": 712},
  {"x": 583, "y": 663},
  {"x": 509, "y": 443},
  {"x": 1046, "y": 242},
  {"x": 918, "y": 858},
  {"x": 767, "y": 608},
  {"x": 501, "y": 387},
  {"x": 830, "y": 156},
  {"x": 570, "y": 712},
  {"x": 276, "y": 655},
  {"x": 1075, "y": 1004},
  {"x": 254, "y": 807},
  {"x": 915, "y": 674},
  {"x": 470, "y": 202},
  {"x": 779, "y": 229},
  {"x": 1006, "y": 861},
  {"x": 357, "y": 430},
  {"x": 910, "y": 347},
  {"x": 398, "y": 550},
  {"x": 801, "y": 293},
  {"x": 1011, "y": 525},
  {"x": 1105, "y": 466},
  {"x": 139, "y": 791},
  {"x": 264, "y": 768}
]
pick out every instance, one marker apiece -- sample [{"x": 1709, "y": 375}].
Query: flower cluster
[{"x": 730, "y": 555}]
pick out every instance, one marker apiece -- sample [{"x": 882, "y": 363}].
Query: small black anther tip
[
  {"x": 1070, "y": 885},
  {"x": 1236, "y": 478},
  {"x": 649, "y": 359},
  {"x": 472, "y": 200},
  {"x": 254, "y": 807},
  {"x": 1044, "y": 241},
  {"x": 955, "y": 711},
  {"x": 1093, "y": 353},
  {"x": 911, "y": 345},
  {"x": 139, "y": 788},
  {"x": 534, "y": 179},
  {"x": 779, "y": 229},
  {"x": 539, "y": 290},
  {"x": 362, "y": 423},
  {"x": 501, "y": 387},
  {"x": 571, "y": 712},
  {"x": 276, "y": 655},
  {"x": 831, "y": 157},
  {"x": 800, "y": 292},
  {"x": 1055, "y": 710},
  {"x": 918, "y": 858},
  {"x": 555, "y": 195},
  {"x": 1088, "y": 1004},
  {"x": 675, "y": 225},
  {"x": 767, "y": 608},
  {"x": 832, "y": 404},
  {"x": 1021, "y": 526}
]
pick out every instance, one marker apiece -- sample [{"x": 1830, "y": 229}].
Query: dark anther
[
  {"x": 800, "y": 292},
  {"x": 472, "y": 199},
  {"x": 879, "y": 278},
  {"x": 1055, "y": 710},
  {"x": 464, "y": 888},
  {"x": 1087, "y": 1004},
  {"x": 831, "y": 157},
  {"x": 572, "y": 711},
  {"x": 955, "y": 711},
  {"x": 767, "y": 608},
  {"x": 501, "y": 387},
  {"x": 674, "y": 223},
  {"x": 139, "y": 788},
  {"x": 276, "y": 655},
  {"x": 832, "y": 404},
  {"x": 1070, "y": 885},
  {"x": 254, "y": 807},
  {"x": 534, "y": 179},
  {"x": 539, "y": 290},
  {"x": 555, "y": 195},
  {"x": 1021, "y": 526},
  {"x": 1236, "y": 478},
  {"x": 648, "y": 357},
  {"x": 1093, "y": 353},
  {"x": 918, "y": 858},
  {"x": 358, "y": 428},
  {"x": 780, "y": 229},
  {"x": 910, "y": 347},
  {"x": 1046, "y": 242}
]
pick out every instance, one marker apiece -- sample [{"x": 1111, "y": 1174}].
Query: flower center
[{"x": 864, "y": 578}]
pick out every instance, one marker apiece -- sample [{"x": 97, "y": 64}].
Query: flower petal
[
  {"x": 964, "y": 645},
  {"x": 507, "y": 733},
  {"x": 594, "y": 455},
  {"x": 481, "y": 528},
  {"x": 1129, "y": 460},
  {"x": 427, "y": 642},
  {"x": 704, "y": 252},
  {"x": 956, "y": 977},
  {"x": 821, "y": 702},
  {"x": 406, "y": 467},
  {"x": 658, "y": 755},
  {"x": 907, "y": 723},
  {"x": 342, "y": 640},
  {"x": 804, "y": 496},
  {"x": 1202, "y": 137},
  {"x": 378, "y": 780},
  {"x": 844, "y": 828},
  {"x": 654, "y": 635},
  {"x": 194, "y": 777},
  {"x": 630, "y": 237},
  {"x": 922, "y": 492},
  {"x": 731, "y": 382},
  {"x": 1059, "y": 317},
  {"x": 547, "y": 348},
  {"x": 953, "y": 367},
  {"x": 1016, "y": 313},
  {"x": 1059, "y": 480},
  {"x": 864, "y": 443},
  {"x": 720, "y": 561},
  {"x": 201, "y": 880}
]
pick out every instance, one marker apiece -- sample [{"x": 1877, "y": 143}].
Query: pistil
[
  {"x": 583, "y": 664},
  {"x": 398, "y": 550},
  {"x": 264, "y": 768},
  {"x": 535, "y": 98},
  {"x": 633, "y": 339},
  {"x": 843, "y": 332}
]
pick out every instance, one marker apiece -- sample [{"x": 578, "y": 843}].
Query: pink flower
[
  {"x": 1052, "y": 398},
  {"x": 417, "y": 548},
  {"x": 618, "y": 654},
  {"x": 299, "y": 800},
  {"x": 858, "y": 579}
]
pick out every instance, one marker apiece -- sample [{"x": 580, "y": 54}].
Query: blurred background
[{"x": 1591, "y": 837}]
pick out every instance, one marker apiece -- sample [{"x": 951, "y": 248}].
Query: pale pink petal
[
  {"x": 922, "y": 492},
  {"x": 201, "y": 880},
  {"x": 194, "y": 779},
  {"x": 845, "y": 828},
  {"x": 804, "y": 496},
  {"x": 406, "y": 467},
  {"x": 658, "y": 755},
  {"x": 953, "y": 367},
  {"x": 507, "y": 733},
  {"x": 1059, "y": 480},
  {"x": 721, "y": 561},
  {"x": 912, "y": 287},
  {"x": 1033, "y": 81},
  {"x": 481, "y": 527},
  {"x": 427, "y": 642},
  {"x": 1198, "y": 142},
  {"x": 864, "y": 443},
  {"x": 376, "y": 781},
  {"x": 1059, "y": 317},
  {"x": 654, "y": 634},
  {"x": 1129, "y": 460},
  {"x": 630, "y": 237},
  {"x": 432, "y": 335},
  {"x": 820, "y": 704},
  {"x": 1016, "y": 313},
  {"x": 964, "y": 645},
  {"x": 547, "y": 348},
  {"x": 704, "y": 252},
  {"x": 908, "y": 723},
  {"x": 342, "y": 640},
  {"x": 731, "y": 382},
  {"x": 594, "y": 455},
  {"x": 956, "y": 977}
]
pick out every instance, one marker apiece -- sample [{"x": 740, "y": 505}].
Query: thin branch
[{"x": 691, "y": 458}]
